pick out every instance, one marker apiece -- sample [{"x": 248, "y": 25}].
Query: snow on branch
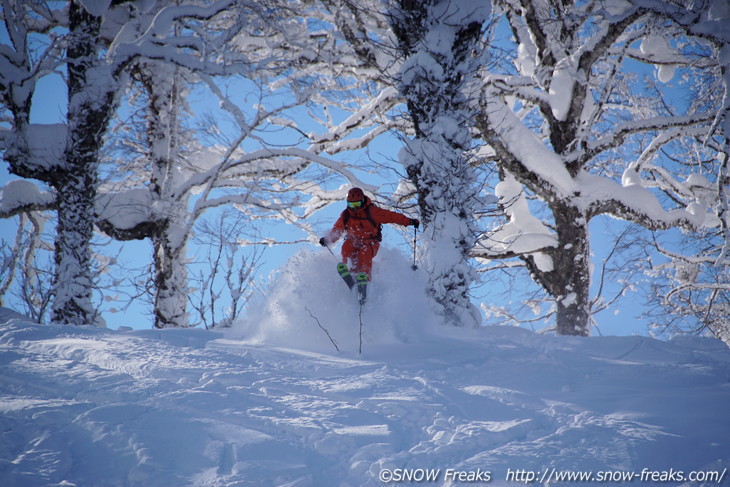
[
  {"x": 20, "y": 196},
  {"x": 270, "y": 162},
  {"x": 164, "y": 20},
  {"x": 126, "y": 215},
  {"x": 333, "y": 141},
  {"x": 707, "y": 21},
  {"x": 632, "y": 202},
  {"x": 522, "y": 87},
  {"x": 41, "y": 147},
  {"x": 158, "y": 42},
  {"x": 522, "y": 234},
  {"x": 522, "y": 149},
  {"x": 626, "y": 129},
  {"x": 300, "y": 154},
  {"x": 671, "y": 132}
]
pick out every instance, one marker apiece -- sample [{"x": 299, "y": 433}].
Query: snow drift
[
  {"x": 307, "y": 297},
  {"x": 271, "y": 403}
]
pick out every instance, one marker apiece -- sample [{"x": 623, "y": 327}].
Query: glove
[
  {"x": 323, "y": 242},
  {"x": 415, "y": 222}
]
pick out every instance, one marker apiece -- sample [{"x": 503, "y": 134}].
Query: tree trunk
[
  {"x": 567, "y": 277},
  {"x": 170, "y": 283},
  {"x": 73, "y": 280},
  {"x": 89, "y": 108},
  {"x": 171, "y": 291}
]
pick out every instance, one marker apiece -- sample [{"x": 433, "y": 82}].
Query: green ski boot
[{"x": 362, "y": 287}]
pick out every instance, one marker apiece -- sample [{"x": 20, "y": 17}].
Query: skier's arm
[
  {"x": 336, "y": 232},
  {"x": 381, "y": 215}
]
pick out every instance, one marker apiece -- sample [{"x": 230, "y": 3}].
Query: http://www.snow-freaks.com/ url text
[{"x": 549, "y": 475}]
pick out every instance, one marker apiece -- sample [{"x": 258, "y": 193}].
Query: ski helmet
[{"x": 355, "y": 194}]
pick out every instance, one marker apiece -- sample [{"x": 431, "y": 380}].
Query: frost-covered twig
[{"x": 323, "y": 329}]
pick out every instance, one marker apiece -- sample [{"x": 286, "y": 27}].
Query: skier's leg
[
  {"x": 365, "y": 256},
  {"x": 349, "y": 253}
]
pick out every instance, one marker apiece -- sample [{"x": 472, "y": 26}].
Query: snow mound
[{"x": 307, "y": 297}]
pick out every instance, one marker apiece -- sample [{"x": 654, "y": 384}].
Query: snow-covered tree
[
  {"x": 693, "y": 292},
  {"x": 154, "y": 211},
  {"x": 71, "y": 166},
  {"x": 25, "y": 269},
  {"x": 93, "y": 44},
  {"x": 181, "y": 171},
  {"x": 564, "y": 116},
  {"x": 439, "y": 44}
]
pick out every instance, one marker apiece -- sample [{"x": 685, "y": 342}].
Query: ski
[
  {"x": 344, "y": 273},
  {"x": 362, "y": 287}
]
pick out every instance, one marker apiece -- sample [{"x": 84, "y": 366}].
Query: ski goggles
[{"x": 354, "y": 204}]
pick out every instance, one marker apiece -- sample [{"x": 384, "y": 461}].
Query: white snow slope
[{"x": 272, "y": 403}]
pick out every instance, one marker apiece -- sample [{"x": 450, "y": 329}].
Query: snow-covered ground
[{"x": 272, "y": 403}]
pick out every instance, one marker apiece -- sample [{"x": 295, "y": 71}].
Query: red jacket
[{"x": 357, "y": 225}]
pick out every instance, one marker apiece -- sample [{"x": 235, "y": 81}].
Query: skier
[{"x": 361, "y": 222}]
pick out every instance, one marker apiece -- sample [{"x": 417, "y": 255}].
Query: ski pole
[
  {"x": 415, "y": 233},
  {"x": 328, "y": 248},
  {"x": 324, "y": 244}
]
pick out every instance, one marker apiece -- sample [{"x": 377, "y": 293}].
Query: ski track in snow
[{"x": 245, "y": 407}]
